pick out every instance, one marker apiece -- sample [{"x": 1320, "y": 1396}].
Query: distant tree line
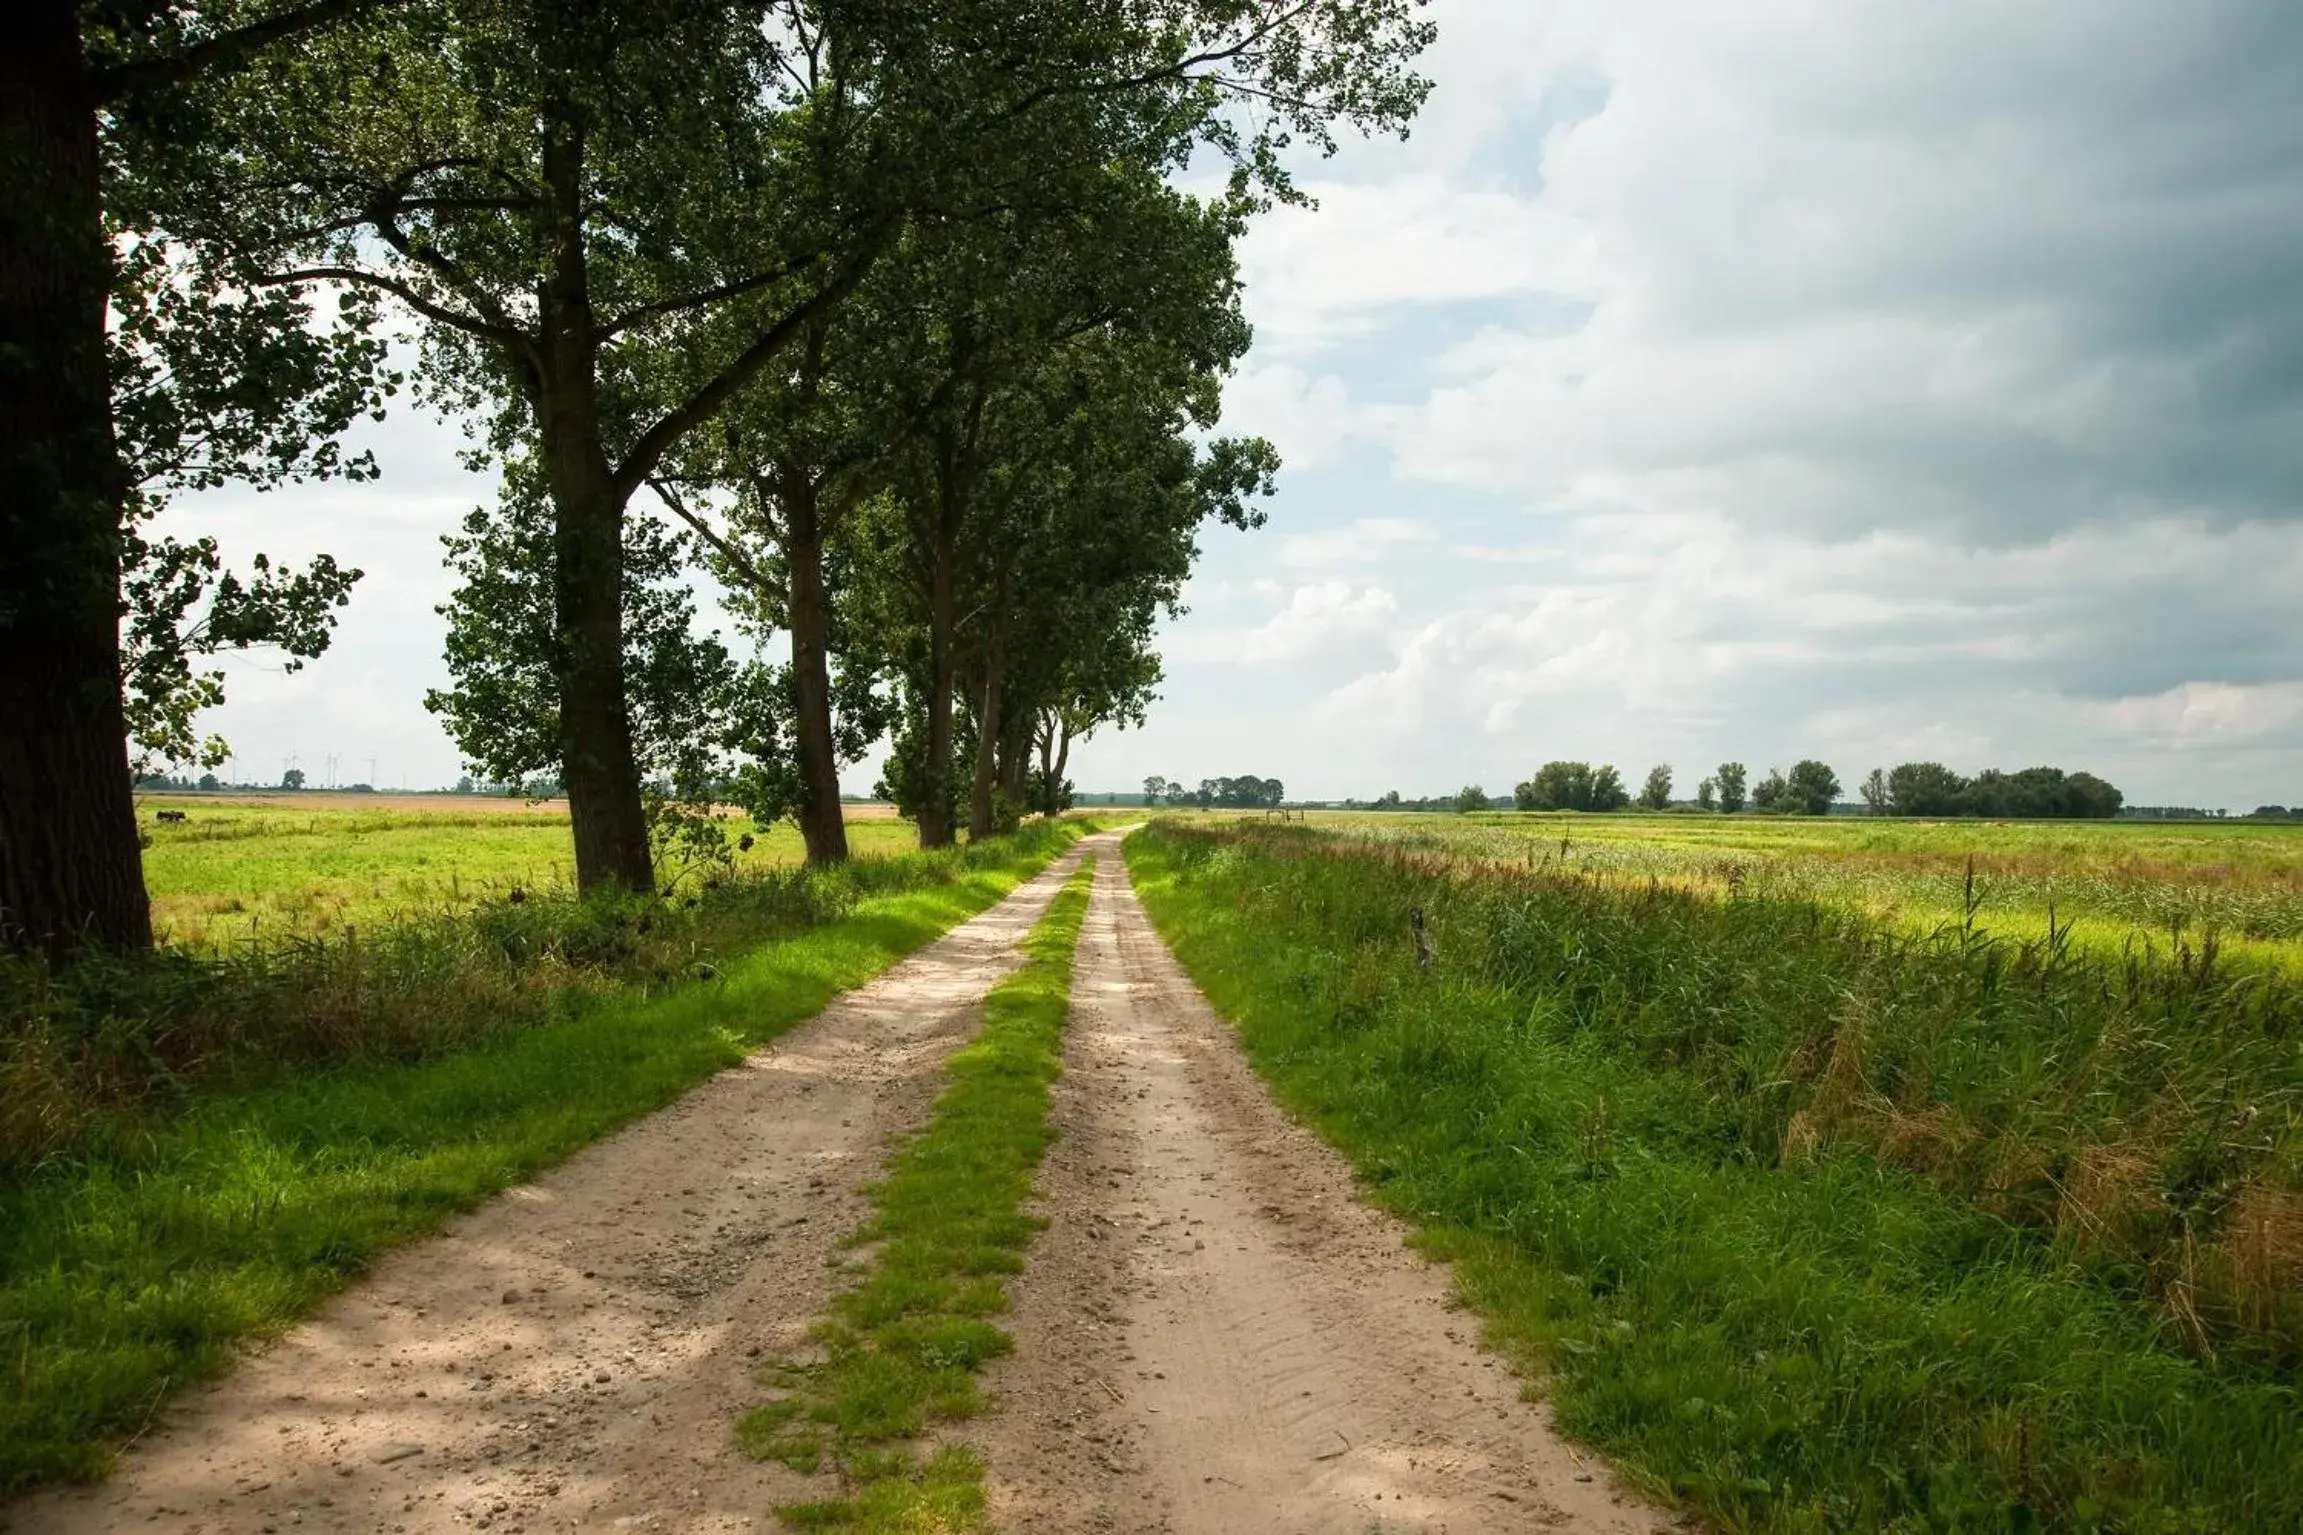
[
  {"x": 1391, "y": 799},
  {"x": 1571, "y": 786},
  {"x": 2034, "y": 793},
  {"x": 1809, "y": 787},
  {"x": 1246, "y": 792}
]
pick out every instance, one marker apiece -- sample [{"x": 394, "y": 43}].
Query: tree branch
[
  {"x": 727, "y": 290},
  {"x": 223, "y": 51},
  {"x": 471, "y": 325},
  {"x": 383, "y": 215},
  {"x": 1180, "y": 69},
  {"x": 706, "y": 401},
  {"x": 725, "y": 547}
]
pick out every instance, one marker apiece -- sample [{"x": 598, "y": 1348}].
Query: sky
[{"x": 1801, "y": 378}]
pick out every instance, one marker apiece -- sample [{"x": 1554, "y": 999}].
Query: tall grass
[
  {"x": 220, "y": 1195},
  {"x": 1816, "y": 1224},
  {"x": 2108, "y": 882}
]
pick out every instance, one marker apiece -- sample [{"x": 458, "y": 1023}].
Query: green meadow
[
  {"x": 238, "y": 869},
  {"x": 2155, "y": 885}
]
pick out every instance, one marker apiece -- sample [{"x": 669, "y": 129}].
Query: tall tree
[
  {"x": 975, "y": 373},
  {"x": 769, "y": 497},
  {"x": 616, "y": 217},
  {"x": 70, "y": 867},
  {"x": 1096, "y": 548},
  {"x": 1731, "y": 779},
  {"x": 1037, "y": 344},
  {"x": 1655, "y": 793},
  {"x": 685, "y": 688},
  {"x": 1814, "y": 786}
]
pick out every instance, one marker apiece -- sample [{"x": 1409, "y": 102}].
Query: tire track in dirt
[
  {"x": 1215, "y": 1335},
  {"x": 573, "y": 1355}
]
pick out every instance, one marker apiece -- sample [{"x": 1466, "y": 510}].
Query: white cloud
[
  {"x": 1992, "y": 271},
  {"x": 1869, "y": 379},
  {"x": 1308, "y": 418},
  {"x": 1321, "y": 621},
  {"x": 1357, "y": 543},
  {"x": 2213, "y": 714},
  {"x": 1326, "y": 274}
]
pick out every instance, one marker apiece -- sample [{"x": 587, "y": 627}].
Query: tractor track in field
[{"x": 1213, "y": 1335}]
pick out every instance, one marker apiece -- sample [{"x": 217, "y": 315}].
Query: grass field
[
  {"x": 244, "y": 868},
  {"x": 1812, "y": 1222},
  {"x": 350, "y": 1096},
  {"x": 2110, "y": 882}
]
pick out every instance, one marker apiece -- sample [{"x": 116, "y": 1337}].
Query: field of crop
[
  {"x": 241, "y": 868},
  {"x": 2109, "y": 883}
]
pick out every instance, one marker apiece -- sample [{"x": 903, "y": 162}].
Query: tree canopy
[
  {"x": 1931, "y": 789},
  {"x": 1572, "y": 786},
  {"x": 628, "y": 241}
]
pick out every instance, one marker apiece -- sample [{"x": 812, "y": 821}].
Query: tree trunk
[
  {"x": 598, "y": 767},
  {"x": 936, "y": 828},
  {"x": 71, "y": 871},
  {"x": 1047, "y": 747},
  {"x": 822, "y": 824},
  {"x": 987, "y": 732},
  {"x": 1016, "y": 757}
]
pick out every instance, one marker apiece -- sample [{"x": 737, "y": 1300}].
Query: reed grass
[
  {"x": 1812, "y": 1222},
  {"x": 2107, "y": 884}
]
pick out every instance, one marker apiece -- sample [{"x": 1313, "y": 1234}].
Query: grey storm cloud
[
  {"x": 1861, "y": 379},
  {"x": 1856, "y": 377},
  {"x": 1992, "y": 270}
]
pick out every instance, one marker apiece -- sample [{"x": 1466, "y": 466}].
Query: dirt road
[
  {"x": 574, "y": 1355},
  {"x": 1213, "y": 1335}
]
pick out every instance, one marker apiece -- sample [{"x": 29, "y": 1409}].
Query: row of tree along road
[{"x": 890, "y": 314}]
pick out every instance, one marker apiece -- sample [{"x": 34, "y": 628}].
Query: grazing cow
[{"x": 171, "y": 815}]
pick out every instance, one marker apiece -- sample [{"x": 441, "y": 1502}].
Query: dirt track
[{"x": 1213, "y": 1335}]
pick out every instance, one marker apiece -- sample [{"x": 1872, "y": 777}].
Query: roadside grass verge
[
  {"x": 902, "y": 1348},
  {"x": 91, "y": 1054},
  {"x": 132, "y": 1263},
  {"x": 1810, "y": 1225}
]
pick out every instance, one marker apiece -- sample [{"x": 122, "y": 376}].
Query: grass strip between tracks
[
  {"x": 903, "y": 1346},
  {"x": 127, "y": 1276},
  {"x": 1792, "y": 1337}
]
